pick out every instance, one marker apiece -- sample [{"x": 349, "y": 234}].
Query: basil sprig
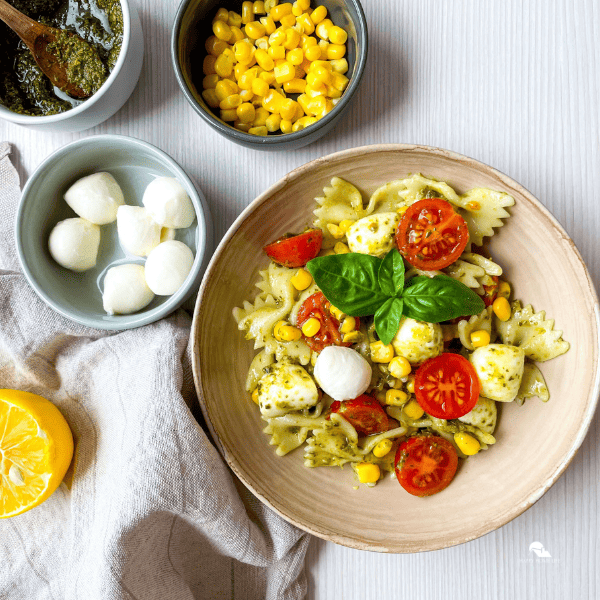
[{"x": 361, "y": 285}]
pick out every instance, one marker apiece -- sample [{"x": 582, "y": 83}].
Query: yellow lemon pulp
[{"x": 36, "y": 447}]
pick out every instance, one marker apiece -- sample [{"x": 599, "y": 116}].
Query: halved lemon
[{"x": 36, "y": 447}]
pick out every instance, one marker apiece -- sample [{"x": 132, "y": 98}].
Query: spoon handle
[{"x": 23, "y": 26}]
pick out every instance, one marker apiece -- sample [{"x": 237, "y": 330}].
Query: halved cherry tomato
[
  {"x": 425, "y": 464},
  {"x": 431, "y": 235},
  {"x": 296, "y": 250},
  {"x": 317, "y": 306},
  {"x": 447, "y": 386},
  {"x": 364, "y": 413}
]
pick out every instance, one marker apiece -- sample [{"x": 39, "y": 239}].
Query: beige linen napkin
[{"x": 150, "y": 511}]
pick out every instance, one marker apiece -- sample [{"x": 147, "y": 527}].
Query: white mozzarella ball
[
  {"x": 483, "y": 415},
  {"x": 73, "y": 244},
  {"x": 138, "y": 232},
  {"x": 342, "y": 373},
  {"x": 287, "y": 387},
  {"x": 167, "y": 266},
  {"x": 373, "y": 234},
  {"x": 96, "y": 198},
  {"x": 417, "y": 341},
  {"x": 168, "y": 203},
  {"x": 125, "y": 290},
  {"x": 500, "y": 370}
]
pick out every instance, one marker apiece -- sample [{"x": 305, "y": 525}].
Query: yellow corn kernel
[
  {"x": 295, "y": 56},
  {"x": 234, "y": 19},
  {"x": 262, "y": 114},
  {"x": 382, "y": 448},
  {"x": 280, "y": 11},
  {"x": 210, "y": 81},
  {"x": 244, "y": 52},
  {"x": 501, "y": 308},
  {"x": 277, "y": 330},
  {"x": 224, "y": 88},
  {"x": 258, "y": 7},
  {"x": 232, "y": 101},
  {"x": 480, "y": 338},
  {"x": 340, "y": 247},
  {"x": 255, "y": 397},
  {"x": 224, "y": 63},
  {"x": 268, "y": 77},
  {"x": 296, "y": 10},
  {"x": 221, "y": 30},
  {"x": 237, "y": 35},
  {"x": 261, "y": 130},
  {"x": 247, "y": 79},
  {"x": 299, "y": 113},
  {"x": 410, "y": 384},
  {"x": 288, "y": 21},
  {"x": 312, "y": 53},
  {"x": 222, "y": 15},
  {"x": 210, "y": 97},
  {"x": 255, "y": 30},
  {"x": 286, "y": 126},
  {"x": 245, "y": 127},
  {"x": 284, "y": 72},
  {"x": 402, "y": 209},
  {"x": 351, "y": 337},
  {"x": 276, "y": 52},
  {"x": 306, "y": 42},
  {"x": 399, "y": 367},
  {"x": 228, "y": 114},
  {"x": 277, "y": 38},
  {"x": 413, "y": 410},
  {"x": 303, "y": 4},
  {"x": 264, "y": 60},
  {"x": 318, "y": 14},
  {"x": 466, "y": 443},
  {"x": 238, "y": 70},
  {"x": 348, "y": 325},
  {"x": 302, "y": 279},
  {"x": 273, "y": 123},
  {"x": 283, "y": 332},
  {"x": 380, "y": 353},
  {"x": 311, "y": 327},
  {"x": 305, "y": 23},
  {"x": 504, "y": 290},
  {"x": 396, "y": 398},
  {"x": 322, "y": 29},
  {"x": 208, "y": 65},
  {"x": 247, "y": 13},
  {"x": 272, "y": 101},
  {"x": 336, "y": 312},
  {"x": 319, "y": 75},
  {"x": 345, "y": 225},
  {"x": 269, "y": 24},
  {"x": 339, "y": 81},
  {"x": 287, "y": 109},
  {"x": 262, "y": 43},
  {"x": 336, "y": 51},
  {"x": 323, "y": 45},
  {"x": 316, "y": 105},
  {"x": 215, "y": 46},
  {"x": 295, "y": 86},
  {"x": 339, "y": 65},
  {"x": 292, "y": 38},
  {"x": 335, "y": 231},
  {"x": 269, "y": 4},
  {"x": 337, "y": 35},
  {"x": 260, "y": 87},
  {"x": 246, "y": 95},
  {"x": 368, "y": 472},
  {"x": 246, "y": 112}
]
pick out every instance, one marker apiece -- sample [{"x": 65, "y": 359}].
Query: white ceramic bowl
[
  {"x": 110, "y": 97},
  {"x": 535, "y": 442}
]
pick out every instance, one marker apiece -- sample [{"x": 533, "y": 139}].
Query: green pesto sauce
[{"x": 24, "y": 88}]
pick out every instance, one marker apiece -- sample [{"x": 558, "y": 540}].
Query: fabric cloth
[{"x": 148, "y": 509}]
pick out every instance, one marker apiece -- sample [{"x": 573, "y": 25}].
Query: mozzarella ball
[
  {"x": 73, "y": 244},
  {"x": 500, "y": 370},
  {"x": 168, "y": 203},
  {"x": 373, "y": 234},
  {"x": 167, "y": 266},
  {"x": 96, "y": 198},
  {"x": 125, "y": 290},
  {"x": 138, "y": 232},
  {"x": 417, "y": 341},
  {"x": 287, "y": 387},
  {"x": 342, "y": 373},
  {"x": 483, "y": 415}
]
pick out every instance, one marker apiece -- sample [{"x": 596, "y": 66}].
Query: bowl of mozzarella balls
[{"x": 112, "y": 233}]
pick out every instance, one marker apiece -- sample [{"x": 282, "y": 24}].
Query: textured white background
[{"x": 513, "y": 83}]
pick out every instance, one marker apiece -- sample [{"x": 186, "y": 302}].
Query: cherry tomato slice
[
  {"x": 447, "y": 386},
  {"x": 364, "y": 413},
  {"x": 297, "y": 250},
  {"x": 317, "y": 306},
  {"x": 425, "y": 464},
  {"x": 431, "y": 235}
]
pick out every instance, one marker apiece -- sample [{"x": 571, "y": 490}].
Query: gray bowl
[
  {"x": 192, "y": 27},
  {"x": 134, "y": 164}
]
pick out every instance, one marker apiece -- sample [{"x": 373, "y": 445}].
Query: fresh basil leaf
[
  {"x": 387, "y": 319},
  {"x": 391, "y": 273},
  {"x": 349, "y": 282},
  {"x": 439, "y": 298}
]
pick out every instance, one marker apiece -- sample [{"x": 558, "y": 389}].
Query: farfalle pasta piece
[
  {"x": 532, "y": 332},
  {"x": 418, "y": 187},
  {"x": 290, "y": 431},
  {"x": 387, "y": 198},
  {"x": 482, "y": 321},
  {"x": 533, "y": 385}
]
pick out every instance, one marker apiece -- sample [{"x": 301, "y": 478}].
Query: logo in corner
[{"x": 538, "y": 549}]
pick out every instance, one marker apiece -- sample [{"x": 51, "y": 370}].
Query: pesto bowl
[
  {"x": 535, "y": 442},
  {"x": 109, "y": 98}
]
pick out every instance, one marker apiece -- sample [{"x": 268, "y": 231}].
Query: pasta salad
[{"x": 386, "y": 335}]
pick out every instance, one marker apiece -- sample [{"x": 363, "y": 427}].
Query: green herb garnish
[{"x": 361, "y": 285}]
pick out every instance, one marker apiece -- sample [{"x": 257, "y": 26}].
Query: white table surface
[{"x": 513, "y": 83}]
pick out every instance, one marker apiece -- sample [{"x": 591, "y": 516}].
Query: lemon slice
[{"x": 36, "y": 447}]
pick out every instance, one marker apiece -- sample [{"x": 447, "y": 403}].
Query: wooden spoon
[{"x": 37, "y": 37}]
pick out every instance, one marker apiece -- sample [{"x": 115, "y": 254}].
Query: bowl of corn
[{"x": 270, "y": 74}]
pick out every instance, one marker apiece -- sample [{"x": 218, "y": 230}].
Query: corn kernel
[
  {"x": 258, "y": 7},
  {"x": 382, "y": 448},
  {"x": 296, "y": 10},
  {"x": 264, "y": 60},
  {"x": 337, "y": 35},
  {"x": 272, "y": 101},
  {"x": 303, "y": 4},
  {"x": 336, "y": 51},
  {"x": 232, "y": 101},
  {"x": 400, "y": 367},
  {"x": 221, "y": 30},
  {"x": 255, "y": 396},
  {"x": 246, "y": 112},
  {"x": 210, "y": 97},
  {"x": 262, "y": 114},
  {"x": 504, "y": 290},
  {"x": 276, "y": 52},
  {"x": 340, "y": 247},
  {"x": 368, "y": 472},
  {"x": 305, "y": 23},
  {"x": 245, "y": 127},
  {"x": 501, "y": 308},
  {"x": 311, "y": 327},
  {"x": 339, "y": 81},
  {"x": 339, "y": 65},
  {"x": 222, "y": 15},
  {"x": 287, "y": 109},
  {"x": 208, "y": 65},
  {"x": 280, "y": 11},
  {"x": 224, "y": 63},
  {"x": 277, "y": 38},
  {"x": 345, "y": 225},
  {"x": 229, "y": 114},
  {"x": 336, "y": 312},
  {"x": 234, "y": 19},
  {"x": 307, "y": 41},
  {"x": 260, "y": 87},
  {"x": 480, "y": 338},
  {"x": 351, "y": 337},
  {"x": 413, "y": 410},
  {"x": 286, "y": 126},
  {"x": 410, "y": 384},
  {"x": 215, "y": 46},
  {"x": 348, "y": 325},
  {"x": 210, "y": 81},
  {"x": 247, "y": 12},
  {"x": 380, "y": 353},
  {"x": 318, "y": 14},
  {"x": 268, "y": 77},
  {"x": 295, "y": 56},
  {"x": 466, "y": 443},
  {"x": 302, "y": 279},
  {"x": 396, "y": 398},
  {"x": 299, "y": 113},
  {"x": 316, "y": 105},
  {"x": 269, "y": 24},
  {"x": 269, "y": 4},
  {"x": 255, "y": 30},
  {"x": 295, "y": 86},
  {"x": 284, "y": 72},
  {"x": 288, "y": 21},
  {"x": 335, "y": 231},
  {"x": 312, "y": 53},
  {"x": 292, "y": 38},
  {"x": 262, "y": 43},
  {"x": 224, "y": 88},
  {"x": 322, "y": 29},
  {"x": 272, "y": 124},
  {"x": 262, "y": 130},
  {"x": 243, "y": 51}
]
